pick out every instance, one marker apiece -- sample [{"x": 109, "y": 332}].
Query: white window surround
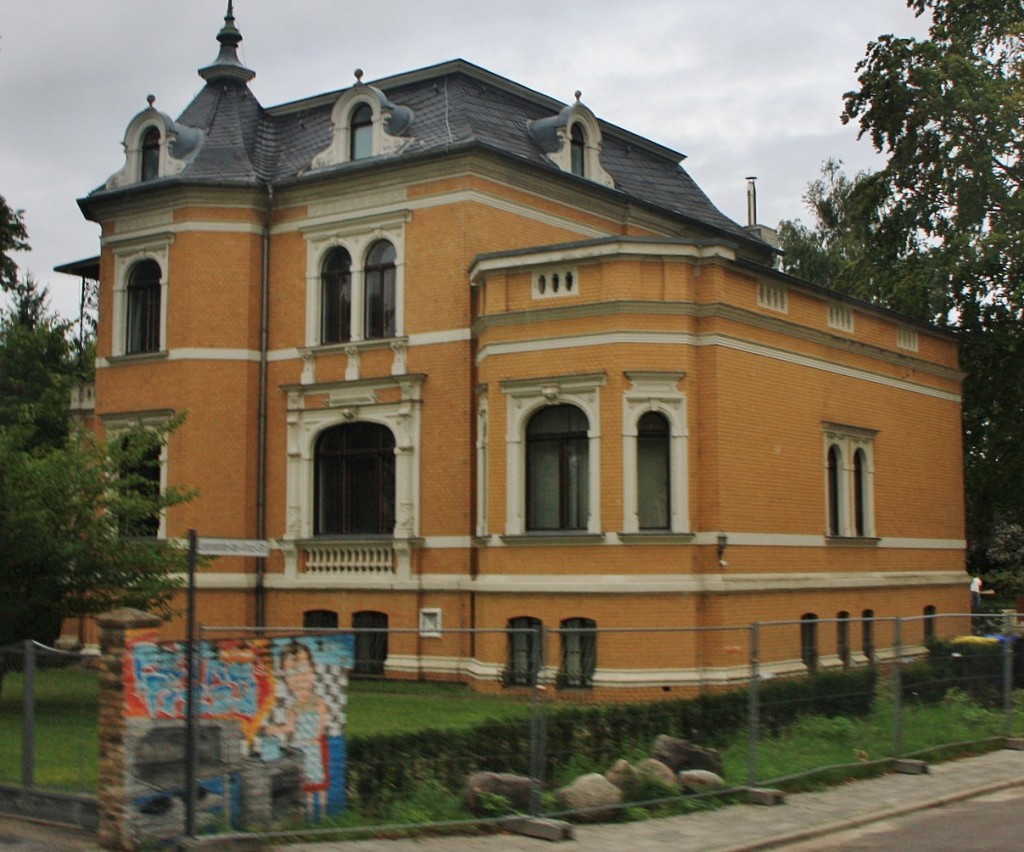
[
  {"x": 906, "y": 338},
  {"x": 577, "y": 113},
  {"x": 356, "y": 236},
  {"x": 773, "y": 296},
  {"x": 848, "y": 440},
  {"x": 482, "y": 470},
  {"x": 555, "y": 282},
  {"x": 525, "y": 397},
  {"x": 430, "y": 623},
  {"x": 840, "y": 317},
  {"x": 388, "y": 120},
  {"x": 659, "y": 392},
  {"x": 115, "y": 424},
  {"x": 347, "y": 404},
  {"x": 126, "y": 255},
  {"x": 178, "y": 146}
]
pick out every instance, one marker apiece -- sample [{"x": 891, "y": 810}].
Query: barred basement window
[
  {"x": 371, "y": 641},
  {"x": 579, "y": 652},
  {"x": 523, "y": 663},
  {"x": 809, "y": 640},
  {"x": 843, "y": 637}
]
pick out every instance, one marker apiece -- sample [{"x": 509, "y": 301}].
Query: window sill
[
  {"x": 556, "y": 537},
  {"x": 339, "y": 348},
  {"x": 851, "y": 541},
  {"x": 656, "y": 537},
  {"x": 137, "y": 357}
]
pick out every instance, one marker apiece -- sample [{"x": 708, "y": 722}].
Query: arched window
[
  {"x": 322, "y": 619},
  {"x": 859, "y": 484},
  {"x": 843, "y": 637},
  {"x": 371, "y": 641},
  {"x": 809, "y": 640},
  {"x": 380, "y": 290},
  {"x": 557, "y": 470},
  {"x": 336, "y": 297},
  {"x": 150, "y": 154},
  {"x": 361, "y": 132},
  {"x": 355, "y": 480},
  {"x": 579, "y": 652},
  {"x": 834, "y": 478},
  {"x": 654, "y": 475},
  {"x": 868, "y": 634},
  {"x": 929, "y": 624},
  {"x": 578, "y": 150},
  {"x": 143, "y": 330},
  {"x": 524, "y": 642}
]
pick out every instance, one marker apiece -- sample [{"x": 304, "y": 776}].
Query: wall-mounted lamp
[{"x": 723, "y": 543}]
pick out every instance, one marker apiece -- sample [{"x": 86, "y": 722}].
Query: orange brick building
[{"x": 469, "y": 357}]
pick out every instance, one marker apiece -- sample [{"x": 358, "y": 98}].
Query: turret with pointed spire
[{"x": 227, "y": 65}]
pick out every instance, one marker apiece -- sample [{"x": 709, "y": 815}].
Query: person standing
[{"x": 975, "y": 593}]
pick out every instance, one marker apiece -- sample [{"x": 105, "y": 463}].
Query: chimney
[{"x": 751, "y": 202}]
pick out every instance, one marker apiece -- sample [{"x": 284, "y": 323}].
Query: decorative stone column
[{"x": 114, "y": 831}]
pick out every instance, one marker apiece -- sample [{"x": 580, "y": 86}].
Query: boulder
[
  {"x": 679, "y": 754},
  {"x": 700, "y": 781},
  {"x": 622, "y": 774},
  {"x": 515, "y": 788},
  {"x": 654, "y": 770},
  {"x": 594, "y": 795}
]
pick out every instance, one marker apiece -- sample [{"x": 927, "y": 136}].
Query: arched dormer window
[
  {"x": 572, "y": 141},
  {"x": 578, "y": 150},
  {"x": 155, "y": 146},
  {"x": 150, "y": 154},
  {"x": 364, "y": 124},
  {"x": 361, "y": 132}
]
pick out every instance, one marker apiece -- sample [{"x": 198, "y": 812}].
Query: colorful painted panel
[{"x": 270, "y": 730}]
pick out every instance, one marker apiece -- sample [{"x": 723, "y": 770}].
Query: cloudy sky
[{"x": 741, "y": 87}]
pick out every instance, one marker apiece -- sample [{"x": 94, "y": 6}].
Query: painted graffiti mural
[{"x": 271, "y": 730}]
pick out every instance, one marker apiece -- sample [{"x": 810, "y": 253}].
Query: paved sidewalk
[{"x": 747, "y": 827}]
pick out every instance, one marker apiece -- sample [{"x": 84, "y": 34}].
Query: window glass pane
[
  {"x": 653, "y": 472},
  {"x": 523, "y": 651},
  {"x": 336, "y": 297},
  {"x": 575, "y": 484},
  {"x": 362, "y": 132},
  {"x": 371, "y": 641},
  {"x": 858, "y": 492},
  {"x": 577, "y": 146},
  {"x": 380, "y": 291},
  {"x": 151, "y": 154},
  {"x": 833, "y": 490},
  {"x": 542, "y": 485},
  {"x": 557, "y": 469},
  {"x": 143, "y": 309},
  {"x": 355, "y": 480},
  {"x": 320, "y": 618},
  {"x": 579, "y": 651}
]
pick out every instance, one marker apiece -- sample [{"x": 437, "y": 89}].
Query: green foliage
[
  {"x": 947, "y": 111},
  {"x": 13, "y": 237},
  {"x": 971, "y": 665}
]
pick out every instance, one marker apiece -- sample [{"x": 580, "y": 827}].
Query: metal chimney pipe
[{"x": 751, "y": 201}]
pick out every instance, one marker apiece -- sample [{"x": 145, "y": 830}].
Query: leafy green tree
[
  {"x": 13, "y": 237},
  {"x": 945, "y": 216}
]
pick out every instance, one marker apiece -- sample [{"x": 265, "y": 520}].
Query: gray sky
[{"x": 741, "y": 87}]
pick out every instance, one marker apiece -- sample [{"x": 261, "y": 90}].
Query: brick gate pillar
[{"x": 112, "y": 776}]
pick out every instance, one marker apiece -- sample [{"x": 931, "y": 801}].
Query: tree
[
  {"x": 13, "y": 237},
  {"x": 948, "y": 111}
]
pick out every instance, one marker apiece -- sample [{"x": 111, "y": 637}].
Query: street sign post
[{"x": 234, "y": 547}]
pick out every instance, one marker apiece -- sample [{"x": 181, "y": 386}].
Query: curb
[{"x": 857, "y": 822}]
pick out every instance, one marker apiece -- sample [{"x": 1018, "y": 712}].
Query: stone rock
[
  {"x": 700, "y": 781},
  {"x": 622, "y": 774},
  {"x": 679, "y": 754},
  {"x": 594, "y": 795},
  {"x": 654, "y": 770},
  {"x": 515, "y": 788}
]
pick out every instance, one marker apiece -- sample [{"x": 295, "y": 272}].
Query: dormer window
[
  {"x": 361, "y": 132},
  {"x": 578, "y": 150},
  {"x": 151, "y": 154},
  {"x": 572, "y": 141}
]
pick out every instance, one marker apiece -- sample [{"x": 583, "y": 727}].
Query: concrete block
[
  {"x": 910, "y": 767},
  {"x": 764, "y": 796},
  {"x": 543, "y": 829},
  {"x": 1015, "y": 743}
]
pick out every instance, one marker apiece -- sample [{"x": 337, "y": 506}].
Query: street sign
[{"x": 233, "y": 547}]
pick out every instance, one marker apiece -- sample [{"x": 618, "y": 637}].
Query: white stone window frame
[
  {"x": 906, "y": 338},
  {"x": 658, "y": 392},
  {"x": 848, "y": 440},
  {"x": 525, "y": 397},
  {"x": 430, "y": 623},
  {"x": 382, "y": 142},
  {"x": 482, "y": 467},
  {"x": 357, "y": 237},
  {"x": 840, "y": 317},
  {"x": 773, "y": 296},
  {"x": 115, "y": 425},
  {"x": 577, "y": 113},
  {"x": 351, "y": 404},
  {"x": 543, "y": 282},
  {"x": 126, "y": 255}
]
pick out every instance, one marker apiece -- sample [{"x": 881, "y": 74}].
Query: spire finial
[
  {"x": 579, "y": 95},
  {"x": 227, "y": 63}
]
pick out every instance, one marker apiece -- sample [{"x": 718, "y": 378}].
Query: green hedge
[
  {"x": 971, "y": 663},
  {"x": 383, "y": 768}
]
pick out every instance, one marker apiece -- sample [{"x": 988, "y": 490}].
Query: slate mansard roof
[{"x": 453, "y": 106}]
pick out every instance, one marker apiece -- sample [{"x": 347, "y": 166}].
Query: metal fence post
[
  {"x": 753, "y": 706},
  {"x": 897, "y": 688},
  {"x": 1009, "y": 617},
  {"x": 28, "y": 725},
  {"x": 538, "y": 725}
]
